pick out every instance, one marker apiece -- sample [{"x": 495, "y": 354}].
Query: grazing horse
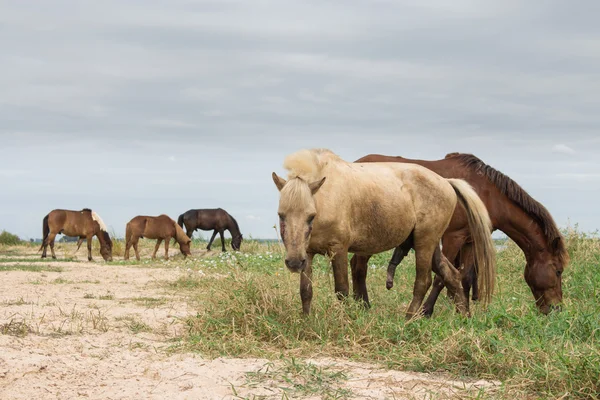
[
  {"x": 85, "y": 224},
  {"x": 161, "y": 228},
  {"x": 330, "y": 206},
  {"x": 513, "y": 211},
  {"x": 209, "y": 219}
]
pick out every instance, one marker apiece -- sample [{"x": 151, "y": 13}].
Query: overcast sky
[{"x": 149, "y": 107}]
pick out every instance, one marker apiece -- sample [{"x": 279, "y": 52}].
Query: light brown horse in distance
[
  {"x": 85, "y": 224},
  {"x": 162, "y": 228},
  {"x": 513, "y": 211},
  {"x": 330, "y": 206}
]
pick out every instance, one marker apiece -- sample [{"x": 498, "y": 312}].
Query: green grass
[
  {"x": 34, "y": 259},
  {"x": 252, "y": 308},
  {"x": 30, "y": 268},
  {"x": 296, "y": 378},
  {"x": 9, "y": 239}
]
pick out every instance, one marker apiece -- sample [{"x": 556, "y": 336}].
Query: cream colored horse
[{"x": 330, "y": 206}]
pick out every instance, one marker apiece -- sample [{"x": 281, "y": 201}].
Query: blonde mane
[
  {"x": 180, "y": 235},
  {"x": 97, "y": 218},
  {"x": 307, "y": 164},
  {"x": 304, "y": 166}
]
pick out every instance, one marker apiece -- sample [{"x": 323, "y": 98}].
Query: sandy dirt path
[{"x": 98, "y": 331}]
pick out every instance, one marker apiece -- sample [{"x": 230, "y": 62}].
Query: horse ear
[
  {"x": 279, "y": 182},
  {"x": 314, "y": 186}
]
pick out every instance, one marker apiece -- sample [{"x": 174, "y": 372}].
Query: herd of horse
[
  {"x": 330, "y": 206},
  {"x": 445, "y": 210},
  {"x": 86, "y": 224}
]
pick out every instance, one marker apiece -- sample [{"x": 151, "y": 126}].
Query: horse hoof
[{"x": 389, "y": 285}]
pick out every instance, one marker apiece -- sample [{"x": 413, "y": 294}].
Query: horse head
[
  {"x": 236, "y": 242},
  {"x": 297, "y": 211}
]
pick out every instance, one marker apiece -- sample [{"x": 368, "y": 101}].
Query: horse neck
[
  {"x": 526, "y": 233},
  {"x": 234, "y": 230}
]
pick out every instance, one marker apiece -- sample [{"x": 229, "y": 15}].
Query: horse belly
[{"x": 383, "y": 226}]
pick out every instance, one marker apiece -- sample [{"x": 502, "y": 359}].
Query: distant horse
[
  {"x": 513, "y": 211},
  {"x": 85, "y": 224},
  {"x": 161, "y": 228},
  {"x": 330, "y": 206},
  {"x": 209, "y": 219}
]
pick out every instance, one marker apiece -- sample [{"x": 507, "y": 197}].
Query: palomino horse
[
  {"x": 161, "y": 228},
  {"x": 85, "y": 224},
  {"x": 513, "y": 211},
  {"x": 209, "y": 219},
  {"x": 330, "y": 206}
]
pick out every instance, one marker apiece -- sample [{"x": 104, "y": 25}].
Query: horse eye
[
  {"x": 558, "y": 273},
  {"x": 310, "y": 219}
]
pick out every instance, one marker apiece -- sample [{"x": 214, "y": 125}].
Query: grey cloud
[{"x": 150, "y": 107}]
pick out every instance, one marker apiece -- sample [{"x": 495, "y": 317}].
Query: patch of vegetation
[
  {"x": 296, "y": 378},
  {"x": 134, "y": 324},
  {"x": 255, "y": 310},
  {"x": 15, "y": 328},
  {"x": 107, "y": 296},
  {"x": 19, "y": 302},
  {"x": 9, "y": 239},
  {"x": 30, "y": 268},
  {"x": 62, "y": 281},
  {"x": 89, "y": 296},
  {"x": 35, "y": 259},
  {"x": 149, "y": 302}
]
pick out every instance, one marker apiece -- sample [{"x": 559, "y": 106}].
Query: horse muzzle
[{"x": 295, "y": 264}]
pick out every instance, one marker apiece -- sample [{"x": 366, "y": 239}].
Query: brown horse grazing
[
  {"x": 330, "y": 206},
  {"x": 85, "y": 224},
  {"x": 161, "y": 228},
  {"x": 209, "y": 219},
  {"x": 513, "y": 211}
]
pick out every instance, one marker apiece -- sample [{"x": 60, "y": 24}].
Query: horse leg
[
  {"x": 340, "y": 273},
  {"x": 44, "y": 247},
  {"x": 452, "y": 279},
  {"x": 451, "y": 244},
  {"x": 79, "y": 242},
  {"x": 424, "y": 249},
  {"x": 89, "y": 247},
  {"x": 399, "y": 253},
  {"x": 211, "y": 240},
  {"x": 359, "y": 267},
  {"x": 158, "y": 242},
  {"x": 306, "y": 292},
  {"x": 222, "y": 241},
  {"x": 135, "y": 247},
  {"x": 51, "y": 242},
  {"x": 167, "y": 240}
]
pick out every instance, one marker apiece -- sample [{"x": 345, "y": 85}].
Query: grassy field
[
  {"x": 251, "y": 307},
  {"x": 247, "y": 305}
]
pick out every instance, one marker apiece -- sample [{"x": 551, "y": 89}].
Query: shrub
[{"x": 8, "y": 238}]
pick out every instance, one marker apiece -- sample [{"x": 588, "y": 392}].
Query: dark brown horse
[
  {"x": 513, "y": 211},
  {"x": 85, "y": 224},
  {"x": 209, "y": 219},
  {"x": 161, "y": 228}
]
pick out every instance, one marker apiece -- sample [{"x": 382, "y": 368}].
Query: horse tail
[
  {"x": 180, "y": 220},
  {"x": 480, "y": 226},
  {"x": 128, "y": 233},
  {"x": 45, "y": 231}
]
